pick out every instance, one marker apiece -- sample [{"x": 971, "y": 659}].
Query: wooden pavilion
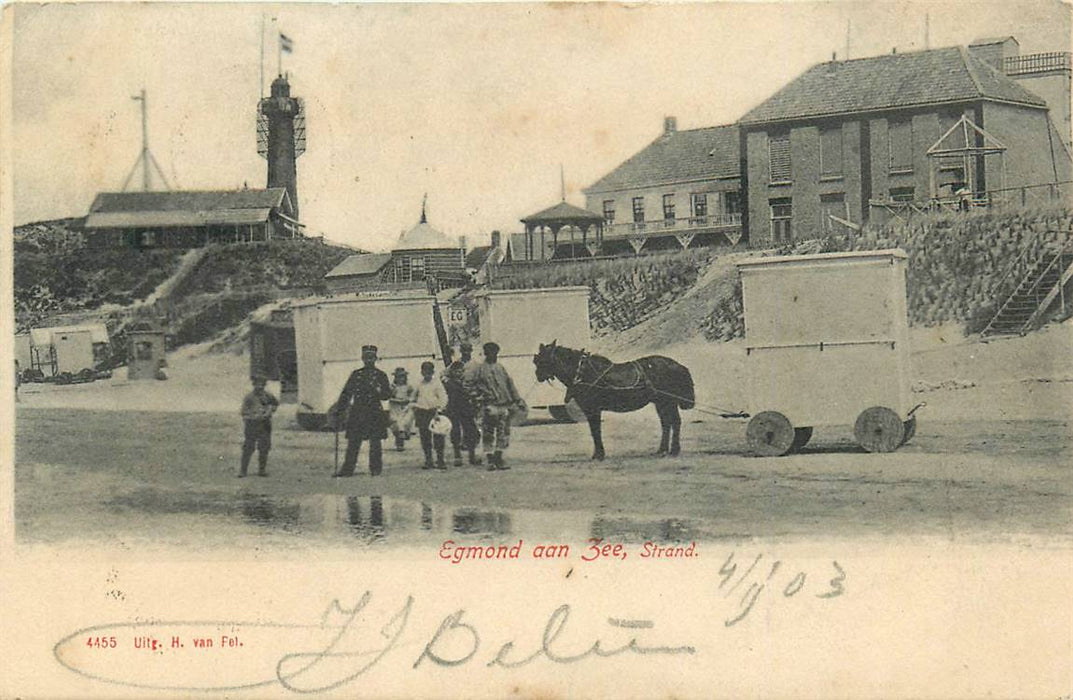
[{"x": 563, "y": 218}]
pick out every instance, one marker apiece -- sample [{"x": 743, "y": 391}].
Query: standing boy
[
  {"x": 430, "y": 399},
  {"x": 257, "y": 409}
]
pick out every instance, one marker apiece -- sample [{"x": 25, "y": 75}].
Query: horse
[{"x": 598, "y": 384}]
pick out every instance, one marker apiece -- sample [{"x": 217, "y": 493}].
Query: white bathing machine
[
  {"x": 827, "y": 343},
  {"x": 329, "y": 334},
  {"x": 519, "y": 320}
]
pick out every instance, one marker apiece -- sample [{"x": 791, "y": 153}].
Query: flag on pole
[{"x": 285, "y": 43}]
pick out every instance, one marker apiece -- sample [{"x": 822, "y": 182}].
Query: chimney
[
  {"x": 670, "y": 125},
  {"x": 462, "y": 242},
  {"x": 496, "y": 239},
  {"x": 995, "y": 51}
]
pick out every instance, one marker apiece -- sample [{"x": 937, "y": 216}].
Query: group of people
[{"x": 467, "y": 391}]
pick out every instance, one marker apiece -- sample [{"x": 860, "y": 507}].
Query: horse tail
[{"x": 687, "y": 398}]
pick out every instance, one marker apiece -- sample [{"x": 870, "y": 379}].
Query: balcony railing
[
  {"x": 658, "y": 226},
  {"x": 1036, "y": 62}
]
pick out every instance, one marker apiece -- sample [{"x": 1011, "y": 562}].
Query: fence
[{"x": 883, "y": 211}]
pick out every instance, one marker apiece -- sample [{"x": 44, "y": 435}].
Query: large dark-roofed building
[
  {"x": 849, "y": 139},
  {"x": 682, "y": 189},
  {"x": 188, "y": 219}
]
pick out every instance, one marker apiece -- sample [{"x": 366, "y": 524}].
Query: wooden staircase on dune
[{"x": 1044, "y": 282}]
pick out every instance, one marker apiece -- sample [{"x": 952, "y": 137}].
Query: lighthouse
[{"x": 281, "y": 137}]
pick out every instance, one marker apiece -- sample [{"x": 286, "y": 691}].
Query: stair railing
[
  {"x": 1008, "y": 285},
  {"x": 1042, "y": 304}
]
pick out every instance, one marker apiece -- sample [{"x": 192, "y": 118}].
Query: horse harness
[{"x": 641, "y": 381}]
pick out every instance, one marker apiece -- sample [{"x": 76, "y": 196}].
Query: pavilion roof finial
[{"x": 424, "y": 205}]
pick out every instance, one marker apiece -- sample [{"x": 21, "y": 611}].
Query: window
[
  {"x": 638, "y": 210},
  {"x": 609, "y": 211},
  {"x": 779, "y": 154},
  {"x": 781, "y": 216},
  {"x": 831, "y": 152},
  {"x": 699, "y": 205},
  {"x": 901, "y": 145},
  {"x": 902, "y": 194},
  {"x": 668, "y": 209},
  {"x": 417, "y": 269},
  {"x": 732, "y": 203},
  {"x": 832, "y": 205}
]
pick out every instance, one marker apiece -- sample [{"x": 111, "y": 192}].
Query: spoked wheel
[
  {"x": 910, "y": 429},
  {"x": 801, "y": 438},
  {"x": 770, "y": 434},
  {"x": 879, "y": 429}
]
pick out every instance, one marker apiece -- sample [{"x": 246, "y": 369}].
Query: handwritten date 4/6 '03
[{"x": 759, "y": 578}]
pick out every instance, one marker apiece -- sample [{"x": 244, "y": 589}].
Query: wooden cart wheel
[
  {"x": 910, "y": 429},
  {"x": 769, "y": 434},
  {"x": 879, "y": 429},
  {"x": 801, "y": 438}
]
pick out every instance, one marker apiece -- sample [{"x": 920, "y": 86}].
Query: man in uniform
[
  {"x": 366, "y": 420},
  {"x": 495, "y": 390},
  {"x": 459, "y": 406}
]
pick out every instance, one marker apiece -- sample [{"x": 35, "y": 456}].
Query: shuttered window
[
  {"x": 901, "y": 145},
  {"x": 609, "y": 211},
  {"x": 831, "y": 152},
  {"x": 779, "y": 153}
]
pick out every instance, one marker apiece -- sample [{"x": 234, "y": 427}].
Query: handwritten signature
[
  {"x": 346, "y": 656},
  {"x": 346, "y": 645}
]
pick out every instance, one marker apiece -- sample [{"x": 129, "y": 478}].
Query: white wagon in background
[
  {"x": 519, "y": 320},
  {"x": 329, "y": 334},
  {"x": 827, "y": 344}
]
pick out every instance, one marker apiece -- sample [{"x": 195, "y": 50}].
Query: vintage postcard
[{"x": 523, "y": 350}]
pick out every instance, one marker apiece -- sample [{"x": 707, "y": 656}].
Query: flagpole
[
  {"x": 279, "y": 54},
  {"x": 261, "y": 86}
]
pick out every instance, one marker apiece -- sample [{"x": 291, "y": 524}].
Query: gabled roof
[
  {"x": 191, "y": 200},
  {"x": 424, "y": 236},
  {"x": 681, "y": 156},
  {"x": 186, "y": 208},
  {"x": 364, "y": 264},
  {"x": 563, "y": 211},
  {"x": 889, "y": 82},
  {"x": 476, "y": 257}
]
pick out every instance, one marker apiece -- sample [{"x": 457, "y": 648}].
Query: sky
[{"x": 476, "y": 105}]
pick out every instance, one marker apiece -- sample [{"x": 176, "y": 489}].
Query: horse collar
[{"x": 577, "y": 372}]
